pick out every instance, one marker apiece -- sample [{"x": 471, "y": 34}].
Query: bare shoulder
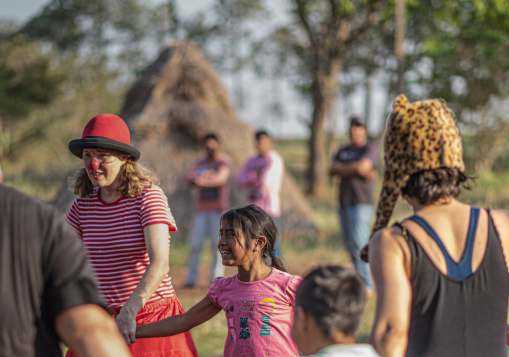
[
  {"x": 389, "y": 249},
  {"x": 500, "y": 214},
  {"x": 390, "y": 238},
  {"x": 501, "y": 221}
]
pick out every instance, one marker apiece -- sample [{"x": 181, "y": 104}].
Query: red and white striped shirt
[{"x": 113, "y": 237}]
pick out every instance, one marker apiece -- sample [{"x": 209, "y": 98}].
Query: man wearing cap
[
  {"x": 125, "y": 222},
  {"x": 355, "y": 165}
]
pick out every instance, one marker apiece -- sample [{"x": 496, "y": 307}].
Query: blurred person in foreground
[
  {"x": 328, "y": 310},
  {"x": 355, "y": 165},
  {"x": 442, "y": 274},
  {"x": 125, "y": 223},
  {"x": 262, "y": 175},
  {"x": 212, "y": 197},
  {"x": 47, "y": 290}
]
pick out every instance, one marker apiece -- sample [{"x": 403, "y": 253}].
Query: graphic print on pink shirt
[{"x": 259, "y": 314}]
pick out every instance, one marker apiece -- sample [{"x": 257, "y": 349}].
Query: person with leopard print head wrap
[{"x": 442, "y": 274}]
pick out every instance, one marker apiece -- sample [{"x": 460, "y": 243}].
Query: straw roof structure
[{"x": 169, "y": 109}]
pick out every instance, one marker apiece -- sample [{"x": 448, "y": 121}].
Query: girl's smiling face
[
  {"x": 232, "y": 245},
  {"x": 103, "y": 166}
]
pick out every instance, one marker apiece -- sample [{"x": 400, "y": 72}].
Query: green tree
[
  {"x": 226, "y": 39},
  {"x": 116, "y": 31},
  {"x": 469, "y": 50},
  {"x": 320, "y": 38},
  {"x": 27, "y": 82}
]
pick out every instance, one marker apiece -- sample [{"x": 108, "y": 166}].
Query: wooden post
[
  {"x": 173, "y": 19},
  {"x": 399, "y": 41}
]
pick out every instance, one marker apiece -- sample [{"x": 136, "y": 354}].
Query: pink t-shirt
[
  {"x": 263, "y": 176},
  {"x": 259, "y": 314}
]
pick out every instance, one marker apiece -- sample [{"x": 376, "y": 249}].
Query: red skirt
[{"x": 181, "y": 345}]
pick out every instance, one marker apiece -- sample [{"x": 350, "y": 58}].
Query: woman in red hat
[{"x": 125, "y": 222}]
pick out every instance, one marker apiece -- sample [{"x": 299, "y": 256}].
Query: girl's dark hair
[
  {"x": 255, "y": 222},
  {"x": 429, "y": 186}
]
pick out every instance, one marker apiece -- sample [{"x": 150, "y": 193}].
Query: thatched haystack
[{"x": 178, "y": 99}]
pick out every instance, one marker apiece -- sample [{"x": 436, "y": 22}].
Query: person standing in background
[
  {"x": 212, "y": 197},
  {"x": 356, "y": 165},
  {"x": 263, "y": 175}
]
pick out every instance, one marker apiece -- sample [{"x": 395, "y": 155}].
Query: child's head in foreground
[{"x": 328, "y": 308}]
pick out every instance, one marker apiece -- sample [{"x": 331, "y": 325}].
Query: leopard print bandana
[{"x": 420, "y": 136}]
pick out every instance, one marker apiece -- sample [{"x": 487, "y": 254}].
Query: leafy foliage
[
  {"x": 114, "y": 29},
  {"x": 26, "y": 78},
  {"x": 469, "y": 51},
  {"x": 28, "y": 81}
]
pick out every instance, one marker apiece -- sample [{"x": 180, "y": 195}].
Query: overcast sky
[{"x": 258, "y": 92}]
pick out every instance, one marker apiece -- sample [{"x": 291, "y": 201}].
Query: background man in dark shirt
[
  {"x": 47, "y": 290},
  {"x": 356, "y": 166}
]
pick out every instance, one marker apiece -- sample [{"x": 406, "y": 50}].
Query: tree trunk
[
  {"x": 399, "y": 42},
  {"x": 1, "y": 140},
  {"x": 317, "y": 150},
  {"x": 173, "y": 19},
  {"x": 367, "y": 98},
  {"x": 323, "y": 96}
]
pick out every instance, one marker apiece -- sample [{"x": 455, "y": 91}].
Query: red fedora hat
[{"x": 105, "y": 131}]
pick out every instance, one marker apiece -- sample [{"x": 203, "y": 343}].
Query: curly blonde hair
[{"x": 133, "y": 179}]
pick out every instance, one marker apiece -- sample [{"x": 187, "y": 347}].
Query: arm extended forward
[{"x": 173, "y": 325}]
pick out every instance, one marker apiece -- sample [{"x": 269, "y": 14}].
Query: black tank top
[{"x": 464, "y": 314}]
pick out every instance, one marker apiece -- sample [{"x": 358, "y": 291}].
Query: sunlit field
[{"x": 303, "y": 253}]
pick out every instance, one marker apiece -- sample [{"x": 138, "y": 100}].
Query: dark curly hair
[{"x": 429, "y": 186}]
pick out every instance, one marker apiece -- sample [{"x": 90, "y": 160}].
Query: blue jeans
[
  {"x": 355, "y": 225},
  {"x": 204, "y": 223}
]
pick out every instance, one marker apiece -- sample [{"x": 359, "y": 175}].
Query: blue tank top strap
[{"x": 463, "y": 269}]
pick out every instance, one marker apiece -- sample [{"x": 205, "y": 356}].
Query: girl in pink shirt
[{"x": 258, "y": 301}]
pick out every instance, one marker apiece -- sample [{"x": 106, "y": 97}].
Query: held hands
[
  {"x": 371, "y": 176},
  {"x": 127, "y": 325}
]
